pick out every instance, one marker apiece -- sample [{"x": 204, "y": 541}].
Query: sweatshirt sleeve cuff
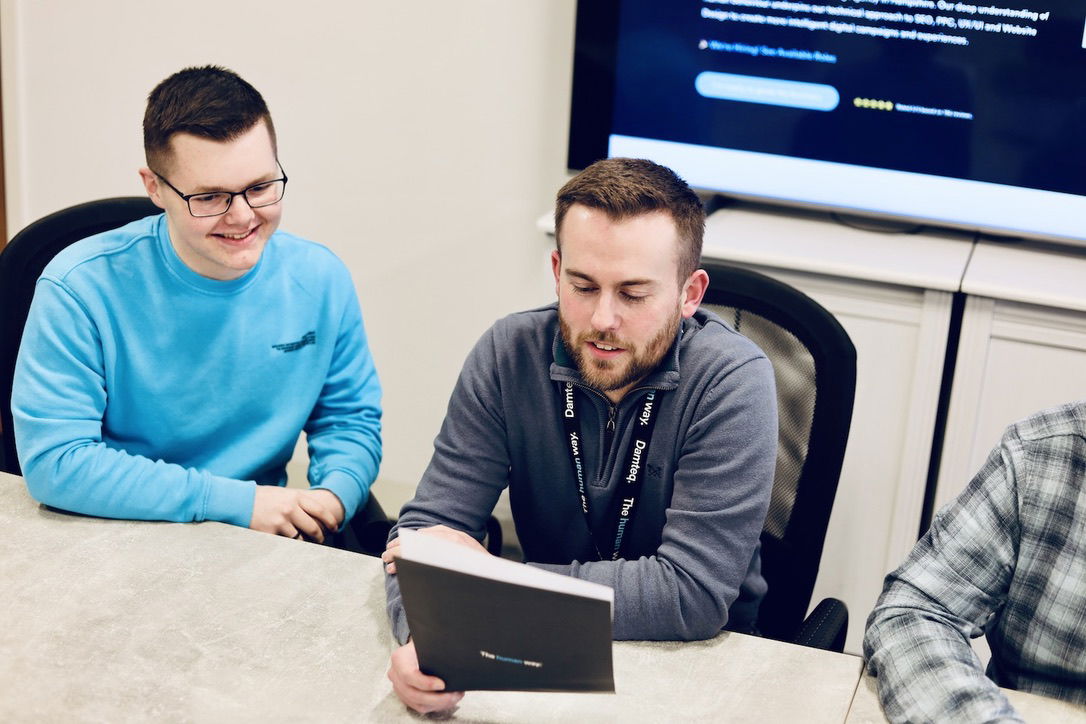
[
  {"x": 397, "y": 617},
  {"x": 565, "y": 569},
  {"x": 230, "y": 500},
  {"x": 399, "y": 627},
  {"x": 346, "y": 487}
]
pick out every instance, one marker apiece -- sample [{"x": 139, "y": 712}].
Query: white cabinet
[
  {"x": 1023, "y": 348},
  {"x": 892, "y": 293}
]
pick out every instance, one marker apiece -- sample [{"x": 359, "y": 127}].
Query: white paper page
[{"x": 421, "y": 548}]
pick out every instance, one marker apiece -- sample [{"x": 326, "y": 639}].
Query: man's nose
[
  {"x": 239, "y": 212},
  {"x": 605, "y": 316}
]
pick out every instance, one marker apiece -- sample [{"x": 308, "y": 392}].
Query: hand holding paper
[{"x": 392, "y": 550}]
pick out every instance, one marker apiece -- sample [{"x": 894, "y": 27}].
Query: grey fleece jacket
[{"x": 691, "y": 547}]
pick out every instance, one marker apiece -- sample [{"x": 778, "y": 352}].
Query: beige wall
[{"x": 422, "y": 141}]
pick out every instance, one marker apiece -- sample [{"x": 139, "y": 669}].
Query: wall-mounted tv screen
[{"x": 964, "y": 114}]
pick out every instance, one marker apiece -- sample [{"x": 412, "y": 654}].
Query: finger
[
  {"x": 389, "y": 555},
  {"x": 446, "y": 533},
  {"x": 318, "y": 511},
  {"x": 308, "y": 526},
  {"x": 453, "y": 536},
  {"x": 415, "y": 679},
  {"x": 422, "y": 692},
  {"x": 425, "y": 702}
]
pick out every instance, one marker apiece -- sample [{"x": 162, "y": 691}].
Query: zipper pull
[{"x": 611, "y": 410}]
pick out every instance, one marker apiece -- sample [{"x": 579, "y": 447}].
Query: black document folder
[{"x": 481, "y": 622}]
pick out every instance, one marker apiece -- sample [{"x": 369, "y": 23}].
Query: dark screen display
[{"x": 986, "y": 92}]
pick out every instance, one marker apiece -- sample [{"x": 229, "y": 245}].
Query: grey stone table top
[
  {"x": 118, "y": 621},
  {"x": 866, "y": 710}
]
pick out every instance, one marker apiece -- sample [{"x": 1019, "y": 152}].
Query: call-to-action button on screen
[{"x": 771, "y": 91}]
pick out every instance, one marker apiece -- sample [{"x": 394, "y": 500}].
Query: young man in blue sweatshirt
[
  {"x": 674, "y": 415},
  {"x": 168, "y": 367}
]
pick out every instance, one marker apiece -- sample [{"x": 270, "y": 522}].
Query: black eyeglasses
[{"x": 217, "y": 203}]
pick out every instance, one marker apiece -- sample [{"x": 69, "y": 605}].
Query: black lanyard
[{"x": 629, "y": 489}]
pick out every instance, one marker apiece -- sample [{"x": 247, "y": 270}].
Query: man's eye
[
  {"x": 583, "y": 290},
  {"x": 634, "y": 297},
  {"x": 206, "y": 198}
]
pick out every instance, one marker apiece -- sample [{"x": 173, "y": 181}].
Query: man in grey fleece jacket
[{"x": 636, "y": 433}]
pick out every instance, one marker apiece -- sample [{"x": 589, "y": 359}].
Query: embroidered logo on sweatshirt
[{"x": 307, "y": 338}]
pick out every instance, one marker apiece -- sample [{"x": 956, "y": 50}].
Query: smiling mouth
[
  {"x": 605, "y": 347},
  {"x": 235, "y": 238}
]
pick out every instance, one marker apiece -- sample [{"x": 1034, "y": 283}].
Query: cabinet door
[{"x": 1014, "y": 359}]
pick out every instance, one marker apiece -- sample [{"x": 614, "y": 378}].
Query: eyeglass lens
[{"x": 213, "y": 204}]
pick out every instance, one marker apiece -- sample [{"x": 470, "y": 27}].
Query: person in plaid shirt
[{"x": 1007, "y": 559}]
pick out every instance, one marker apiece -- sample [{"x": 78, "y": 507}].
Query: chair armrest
[
  {"x": 825, "y": 628},
  {"x": 493, "y": 536},
  {"x": 371, "y": 527}
]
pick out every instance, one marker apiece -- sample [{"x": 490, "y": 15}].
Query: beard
[{"x": 611, "y": 375}]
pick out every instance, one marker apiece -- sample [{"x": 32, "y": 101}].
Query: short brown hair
[
  {"x": 625, "y": 187},
  {"x": 209, "y": 102}
]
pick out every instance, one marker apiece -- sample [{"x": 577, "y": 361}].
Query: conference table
[
  {"x": 865, "y": 707},
  {"x": 116, "y": 621}
]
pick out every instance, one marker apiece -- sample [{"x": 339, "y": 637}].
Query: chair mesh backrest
[
  {"x": 814, "y": 363},
  {"x": 794, "y": 370}
]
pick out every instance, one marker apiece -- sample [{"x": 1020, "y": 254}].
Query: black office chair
[
  {"x": 22, "y": 262},
  {"x": 814, "y": 361}
]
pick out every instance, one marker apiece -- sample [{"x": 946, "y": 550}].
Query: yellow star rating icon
[{"x": 873, "y": 103}]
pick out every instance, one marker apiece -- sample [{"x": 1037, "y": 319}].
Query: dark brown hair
[
  {"x": 626, "y": 187},
  {"x": 209, "y": 102}
]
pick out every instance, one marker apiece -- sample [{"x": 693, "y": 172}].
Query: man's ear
[
  {"x": 556, "y": 267},
  {"x": 150, "y": 183},
  {"x": 693, "y": 291}
]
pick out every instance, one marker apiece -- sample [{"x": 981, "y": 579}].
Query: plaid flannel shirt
[{"x": 1006, "y": 559}]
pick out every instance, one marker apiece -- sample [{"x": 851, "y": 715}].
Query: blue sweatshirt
[{"x": 146, "y": 391}]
